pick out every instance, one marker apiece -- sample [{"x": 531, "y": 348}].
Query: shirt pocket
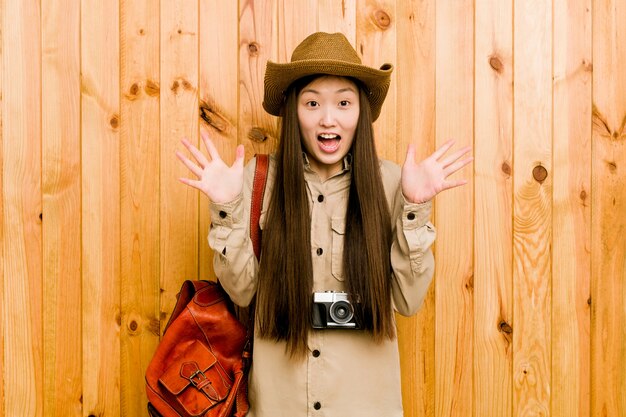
[{"x": 338, "y": 225}]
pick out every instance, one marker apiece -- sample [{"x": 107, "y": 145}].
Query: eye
[
  {"x": 344, "y": 103},
  {"x": 312, "y": 103}
]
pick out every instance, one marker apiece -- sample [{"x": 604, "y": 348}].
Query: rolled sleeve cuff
[
  {"x": 227, "y": 214},
  {"x": 415, "y": 215}
]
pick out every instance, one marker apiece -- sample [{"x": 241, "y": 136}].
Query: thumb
[
  {"x": 410, "y": 154},
  {"x": 239, "y": 156}
]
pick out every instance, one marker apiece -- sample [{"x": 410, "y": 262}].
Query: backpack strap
[{"x": 258, "y": 192}]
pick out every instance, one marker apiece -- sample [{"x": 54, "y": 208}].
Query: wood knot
[
  {"x": 180, "y": 31},
  {"x": 589, "y": 301},
  {"x": 612, "y": 166},
  {"x": 587, "y": 66},
  {"x": 583, "y": 195},
  {"x": 469, "y": 285},
  {"x": 175, "y": 86},
  {"x": 504, "y": 327},
  {"x": 382, "y": 19},
  {"x": 496, "y": 64},
  {"x": 256, "y": 134},
  {"x": 212, "y": 117},
  {"x": 152, "y": 88},
  {"x": 40, "y": 216},
  {"x": 114, "y": 121},
  {"x": 133, "y": 326},
  {"x": 142, "y": 32},
  {"x": 133, "y": 92},
  {"x": 540, "y": 174},
  {"x": 154, "y": 327},
  {"x": 506, "y": 168},
  {"x": 253, "y": 48},
  {"x": 187, "y": 85}
]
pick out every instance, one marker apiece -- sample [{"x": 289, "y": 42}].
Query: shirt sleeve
[
  {"x": 412, "y": 259},
  {"x": 234, "y": 261}
]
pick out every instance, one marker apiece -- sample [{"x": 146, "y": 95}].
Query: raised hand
[
  {"x": 220, "y": 182},
  {"x": 422, "y": 182}
]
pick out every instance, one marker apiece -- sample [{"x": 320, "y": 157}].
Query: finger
[
  {"x": 410, "y": 154},
  {"x": 458, "y": 154},
  {"x": 443, "y": 149},
  {"x": 199, "y": 156},
  {"x": 189, "y": 164},
  {"x": 210, "y": 146},
  {"x": 453, "y": 184},
  {"x": 451, "y": 169},
  {"x": 192, "y": 183}
]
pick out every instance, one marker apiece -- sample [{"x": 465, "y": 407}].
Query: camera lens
[{"x": 341, "y": 312}]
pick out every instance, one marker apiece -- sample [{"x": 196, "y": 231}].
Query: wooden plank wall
[{"x": 527, "y": 315}]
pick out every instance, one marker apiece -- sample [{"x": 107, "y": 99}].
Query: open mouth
[{"x": 329, "y": 142}]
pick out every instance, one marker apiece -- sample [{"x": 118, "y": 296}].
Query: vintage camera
[{"x": 332, "y": 310}]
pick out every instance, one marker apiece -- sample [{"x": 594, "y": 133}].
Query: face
[{"x": 328, "y": 112}]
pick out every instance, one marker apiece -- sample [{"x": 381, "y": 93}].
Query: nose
[{"x": 328, "y": 117}]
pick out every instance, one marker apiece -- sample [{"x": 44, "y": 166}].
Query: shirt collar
[{"x": 347, "y": 163}]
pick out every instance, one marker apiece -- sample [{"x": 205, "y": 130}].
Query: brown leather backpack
[{"x": 200, "y": 365}]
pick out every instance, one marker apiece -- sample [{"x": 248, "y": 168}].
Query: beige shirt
[{"x": 346, "y": 372}]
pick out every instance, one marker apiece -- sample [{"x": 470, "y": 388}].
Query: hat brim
[{"x": 278, "y": 78}]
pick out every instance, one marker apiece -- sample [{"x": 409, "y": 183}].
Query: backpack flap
[{"x": 195, "y": 380}]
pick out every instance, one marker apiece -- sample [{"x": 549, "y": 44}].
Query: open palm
[
  {"x": 422, "y": 181},
  {"x": 220, "y": 182}
]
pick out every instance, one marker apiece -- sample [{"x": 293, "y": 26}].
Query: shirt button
[
  {"x": 316, "y": 353},
  {"x": 320, "y": 251},
  {"x": 320, "y": 198},
  {"x": 410, "y": 216},
  {"x": 222, "y": 214},
  {"x": 317, "y": 405}
]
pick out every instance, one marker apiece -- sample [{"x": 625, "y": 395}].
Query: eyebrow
[{"x": 341, "y": 90}]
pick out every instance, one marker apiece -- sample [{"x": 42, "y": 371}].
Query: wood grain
[
  {"x": 571, "y": 202},
  {"x": 179, "y": 119},
  {"x": 258, "y": 43},
  {"x": 3, "y": 70},
  {"x": 415, "y": 123},
  {"x": 375, "y": 40},
  {"x": 61, "y": 193},
  {"x": 493, "y": 201},
  {"x": 334, "y": 16},
  {"x": 22, "y": 254},
  {"x": 454, "y": 276},
  {"x": 140, "y": 196},
  {"x": 608, "y": 233},
  {"x": 532, "y": 209},
  {"x": 100, "y": 119},
  {"x": 294, "y": 24}
]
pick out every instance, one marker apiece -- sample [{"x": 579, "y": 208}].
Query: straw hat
[{"x": 324, "y": 53}]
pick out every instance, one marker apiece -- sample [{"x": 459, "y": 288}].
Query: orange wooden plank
[
  {"x": 571, "y": 258},
  {"x": 532, "y": 210},
  {"x": 295, "y": 23},
  {"x": 493, "y": 276},
  {"x": 415, "y": 123},
  {"x": 608, "y": 211},
  {"x": 376, "y": 41},
  {"x": 454, "y": 279},
  {"x": 258, "y": 43},
  {"x": 100, "y": 120},
  {"x": 61, "y": 207},
  {"x": 22, "y": 257},
  {"x": 139, "y": 194}
]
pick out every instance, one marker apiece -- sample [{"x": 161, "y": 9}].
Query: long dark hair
[{"x": 285, "y": 279}]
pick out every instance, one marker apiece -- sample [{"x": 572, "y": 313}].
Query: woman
[{"x": 346, "y": 238}]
